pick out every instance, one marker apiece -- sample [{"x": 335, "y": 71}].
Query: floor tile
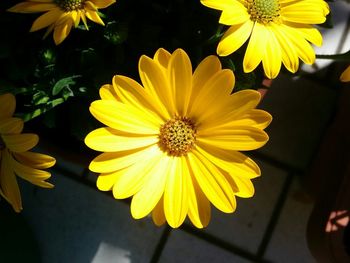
[
  {"x": 301, "y": 110},
  {"x": 245, "y": 228},
  {"x": 75, "y": 223},
  {"x": 183, "y": 247},
  {"x": 288, "y": 243}
]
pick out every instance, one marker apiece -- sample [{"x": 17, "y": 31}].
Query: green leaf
[{"x": 63, "y": 83}]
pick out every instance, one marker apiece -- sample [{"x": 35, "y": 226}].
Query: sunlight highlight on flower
[
  {"x": 15, "y": 157},
  {"x": 279, "y": 31},
  {"x": 172, "y": 143},
  {"x": 345, "y": 76},
  {"x": 62, "y": 15}
]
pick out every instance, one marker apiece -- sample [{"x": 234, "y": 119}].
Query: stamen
[
  {"x": 263, "y": 11},
  {"x": 70, "y": 5},
  {"x": 177, "y": 136}
]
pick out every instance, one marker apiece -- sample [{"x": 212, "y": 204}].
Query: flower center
[
  {"x": 70, "y": 5},
  {"x": 177, "y": 136},
  {"x": 263, "y": 11}
]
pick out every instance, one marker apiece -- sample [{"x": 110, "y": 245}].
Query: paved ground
[{"x": 76, "y": 223}]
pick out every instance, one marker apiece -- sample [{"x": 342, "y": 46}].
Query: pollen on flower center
[
  {"x": 263, "y": 11},
  {"x": 70, "y": 5},
  {"x": 177, "y": 136}
]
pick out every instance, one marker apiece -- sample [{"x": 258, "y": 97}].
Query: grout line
[
  {"x": 161, "y": 244},
  {"x": 275, "y": 215},
  {"x": 222, "y": 244}
]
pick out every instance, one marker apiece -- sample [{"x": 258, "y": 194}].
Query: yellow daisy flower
[
  {"x": 278, "y": 31},
  {"x": 61, "y": 15},
  {"x": 15, "y": 158},
  {"x": 173, "y": 142},
  {"x": 345, "y": 76}
]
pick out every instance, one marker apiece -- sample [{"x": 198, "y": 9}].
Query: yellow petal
[
  {"x": 134, "y": 177},
  {"x": 237, "y": 138},
  {"x": 158, "y": 215},
  {"x": 110, "y": 140},
  {"x": 102, "y": 3},
  {"x": 7, "y": 105},
  {"x": 34, "y": 176},
  {"x": 20, "y": 142},
  {"x": 8, "y": 182},
  {"x": 256, "y": 47},
  {"x": 125, "y": 117},
  {"x": 345, "y": 76},
  {"x": 93, "y": 16},
  {"x": 176, "y": 193},
  {"x": 272, "y": 58},
  {"x": 244, "y": 185},
  {"x": 234, "y": 16},
  {"x": 35, "y": 160},
  {"x": 46, "y": 19},
  {"x": 212, "y": 182},
  {"x": 106, "y": 181},
  {"x": 111, "y": 162},
  {"x": 233, "y": 162},
  {"x": 234, "y": 38},
  {"x": 199, "y": 210},
  {"x": 32, "y": 7},
  {"x": 220, "y": 4},
  {"x": 62, "y": 30},
  {"x": 11, "y": 126},
  {"x": 217, "y": 89},
  {"x": 156, "y": 85},
  {"x": 310, "y": 33},
  {"x": 162, "y": 57},
  {"x": 289, "y": 55},
  {"x": 131, "y": 92},
  {"x": 303, "y": 12},
  {"x": 180, "y": 78},
  {"x": 107, "y": 92},
  {"x": 147, "y": 198}
]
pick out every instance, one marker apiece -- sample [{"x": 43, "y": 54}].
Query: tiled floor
[{"x": 76, "y": 223}]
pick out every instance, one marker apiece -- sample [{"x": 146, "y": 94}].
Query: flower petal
[
  {"x": 46, "y": 19},
  {"x": 20, "y": 142},
  {"x": 93, "y": 16},
  {"x": 107, "y": 92},
  {"x": 304, "y": 12},
  {"x": 62, "y": 30},
  {"x": 176, "y": 194},
  {"x": 11, "y": 126},
  {"x": 256, "y": 47},
  {"x": 180, "y": 78},
  {"x": 158, "y": 215},
  {"x": 243, "y": 138},
  {"x": 110, "y": 140},
  {"x": 345, "y": 76},
  {"x": 111, "y": 162},
  {"x": 102, "y": 3},
  {"x": 144, "y": 201},
  {"x": 272, "y": 58},
  {"x": 212, "y": 182},
  {"x": 8, "y": 182},
  {"x": 32, "y": 7},
  {"x": 233, "y": 162},
  {"x": 162, "y": 57},
  {"x": 234, "y": 38},
  {"x": 125, "y": 117},
  {"x": 35, "y": 160}
]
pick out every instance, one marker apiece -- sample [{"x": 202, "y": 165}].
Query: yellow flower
[
  {"x": 345, "y": 76},
  {"x": 278, "y": 31},
  {"x": 15, "y": 158},
  {"x": 173, "y": 142},
  {"x": 61, "y": 15}
]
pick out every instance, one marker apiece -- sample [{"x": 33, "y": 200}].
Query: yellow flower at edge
[
  {"x": 61, "y": 15},
  {"x": 345, "y": 76},
  {"x": 278, "y": 31},
  {"x": 172, "y": 143},
  {"x": 15, "y": 158}
]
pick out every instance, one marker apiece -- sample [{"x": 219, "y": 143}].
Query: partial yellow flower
[
  {"x": 278, "y": 31},
  {"x": 172, "y": 143},
  {"x": 345, "y": 76},
  {"x": 61, "y": 15},
  {"x": 15, "y": 158}
]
